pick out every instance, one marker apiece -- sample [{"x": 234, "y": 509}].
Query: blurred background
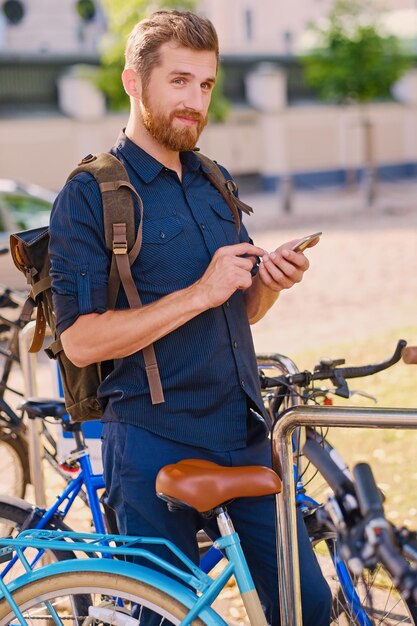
[{"x": 314, "y": 93}]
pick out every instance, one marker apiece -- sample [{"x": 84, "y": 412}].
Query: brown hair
[{"x": 183, "y": 27}]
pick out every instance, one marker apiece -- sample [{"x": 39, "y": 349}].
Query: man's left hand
[{"x": 283, "y": 268}]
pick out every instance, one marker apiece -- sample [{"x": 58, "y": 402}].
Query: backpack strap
[
  {"x": 117, "y": 194},
  {"x": 227, "y": 187}
]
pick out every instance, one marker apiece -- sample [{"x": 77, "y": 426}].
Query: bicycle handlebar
[
  {"x": 324, "y": 371},
  {"x": 369, "y": 497}
]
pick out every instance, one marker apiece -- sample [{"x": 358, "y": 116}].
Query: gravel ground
[{"x": 362, "y": 276}]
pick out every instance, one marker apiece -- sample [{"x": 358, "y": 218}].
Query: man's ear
[{"x": 132, "y": 83}]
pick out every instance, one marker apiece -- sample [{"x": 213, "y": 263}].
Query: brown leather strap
[
  {"x": 227, "y": 188},
  {"x": 41, "y": 285},
  {"x": 123, "y": 266},
  {"x": 54, "y": 348},
  {"x": 27, "y": 310},
  {"x": 40, "y": 327}
]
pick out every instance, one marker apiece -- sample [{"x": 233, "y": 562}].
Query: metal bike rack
[
  {"x": 28, "y": 363},
  {"x": 282, "y": 454}
]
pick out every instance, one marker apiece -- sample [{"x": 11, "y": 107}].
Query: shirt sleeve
[{"x": 80, "y": 261}]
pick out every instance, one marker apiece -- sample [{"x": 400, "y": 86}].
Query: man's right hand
[{"x": 230, "y": 269}]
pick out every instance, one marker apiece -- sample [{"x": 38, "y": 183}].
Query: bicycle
[
  {"x": 14, "y": 449},
  {"x": 17, "y": 514},
  {"x": 14, "y": 464},
  {"x": 292, "y": 388},
  {"x": 367, "y": 542},
  {"x": 99, "y": 590},
  {"x": 22, "y": 514}
]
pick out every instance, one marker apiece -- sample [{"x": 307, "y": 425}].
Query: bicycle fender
[{"x": 122, "y": 568}]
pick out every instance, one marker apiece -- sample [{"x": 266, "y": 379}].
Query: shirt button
[
  {"x": 227, "y": 303},
  {"x": 162, "y": 235},
  {"x": 235, "y": 344},
  {"x": 242, "y": 382},
  {"x": 203, "y": 227}
]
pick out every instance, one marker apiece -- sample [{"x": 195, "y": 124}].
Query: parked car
[{"x": 23, "y": 206}]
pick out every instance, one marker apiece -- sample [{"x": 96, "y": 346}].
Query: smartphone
[{"x": 303, "y": 243}]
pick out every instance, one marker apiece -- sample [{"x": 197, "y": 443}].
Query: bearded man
[{"x": 202, "y": 285}]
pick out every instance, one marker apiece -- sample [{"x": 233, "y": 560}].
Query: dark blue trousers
[{"x": 132, "y": 458}]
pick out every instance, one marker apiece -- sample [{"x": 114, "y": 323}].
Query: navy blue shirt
[{"x": 208, "y": 365}]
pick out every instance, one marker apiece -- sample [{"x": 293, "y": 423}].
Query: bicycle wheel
[
  {"x": 370, "y": 599},
  {"x": 16, "y": 514},
  {"x": 14, "y": 462},
  {"x": 110, "y": 601}
]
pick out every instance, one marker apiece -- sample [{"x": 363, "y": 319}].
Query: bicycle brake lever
[
  {"x": 364, "y": 394},
  {"x": 342, "y": 389}
]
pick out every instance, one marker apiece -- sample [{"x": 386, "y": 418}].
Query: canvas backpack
[{"x": 29, "y": 250}]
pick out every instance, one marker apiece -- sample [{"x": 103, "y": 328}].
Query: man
[{"x": 201, "y": 289}]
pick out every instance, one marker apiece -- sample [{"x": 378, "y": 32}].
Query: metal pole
[
  {"x": 341, "y": 417},
  {"x": 28, "y": 364}
]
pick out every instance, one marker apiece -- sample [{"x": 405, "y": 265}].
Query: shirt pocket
[
  {"x": 164, "y": 245},
  {"x": 227, "y": 221}
]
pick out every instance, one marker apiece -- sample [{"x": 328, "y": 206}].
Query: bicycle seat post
[{"x": 230, "y": 543}]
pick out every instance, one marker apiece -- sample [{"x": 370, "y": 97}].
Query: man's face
[{"x": 175, "y": 102}]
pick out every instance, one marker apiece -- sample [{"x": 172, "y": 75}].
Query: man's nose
[{"x": 195, "y": 99}]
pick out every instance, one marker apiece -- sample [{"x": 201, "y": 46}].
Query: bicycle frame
[
  {"x": 92, "y": 483},
  {"x": 189, "y": 575}
]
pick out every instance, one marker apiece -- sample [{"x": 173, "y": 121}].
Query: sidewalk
[{"x": 334, "y": 207}]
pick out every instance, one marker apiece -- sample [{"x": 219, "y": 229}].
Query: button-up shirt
[{"x": 208, "y": 365}]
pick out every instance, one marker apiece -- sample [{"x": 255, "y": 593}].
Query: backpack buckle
[
  {"x": 119, "y": 239},
  {"x": 119, "y": 247},
  {"x": 231, "y": 186}
]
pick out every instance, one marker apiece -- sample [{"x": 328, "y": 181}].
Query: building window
[
  {"x": 248, "y": 24},
  {"x": 86, "y": 9},
  {"x": 13, "y": 11}
]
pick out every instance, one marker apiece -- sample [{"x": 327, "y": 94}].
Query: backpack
[{"x": 29, "y": 250}]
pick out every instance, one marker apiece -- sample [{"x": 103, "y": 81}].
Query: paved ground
[{"x": 362, "y": 279}]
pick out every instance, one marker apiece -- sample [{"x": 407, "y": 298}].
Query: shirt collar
[{"x": 144, "y": 164}]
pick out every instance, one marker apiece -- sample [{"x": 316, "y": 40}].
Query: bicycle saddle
[
  {"x": 38, "y": 407},
  {"x": 204, "y": 485}
]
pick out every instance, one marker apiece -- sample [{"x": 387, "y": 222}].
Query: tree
[
  {"x": 355, "y": 62},
  {"x": 122, "y": 16}
]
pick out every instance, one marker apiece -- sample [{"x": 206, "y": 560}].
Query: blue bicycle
[{"x": 109, "y": 591}]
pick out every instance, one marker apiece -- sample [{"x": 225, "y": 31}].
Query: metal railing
[{"x": 340, "y": 417}]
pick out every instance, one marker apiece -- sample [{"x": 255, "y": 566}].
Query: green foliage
[
  {"x": 353, "y": 61},
  {"x": 122, "y": 17}
]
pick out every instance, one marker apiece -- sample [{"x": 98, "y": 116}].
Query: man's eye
[{"x": 178, "y": 81}]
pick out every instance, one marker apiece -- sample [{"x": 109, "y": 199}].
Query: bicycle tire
[
  {"x": 14, "y": 462},
  {"x": 379, "y": 599},
  {"x": 370, "y": 599},
  {"x": 64, "y": 588},
  {"x": 16, "y": 514}
]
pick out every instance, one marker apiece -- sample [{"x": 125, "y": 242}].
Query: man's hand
[
  {"x": 230, "y": 269},
  {"x": 283, "y": 268}
]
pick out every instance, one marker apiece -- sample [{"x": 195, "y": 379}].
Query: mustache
[{"x": 189, "y": 115}]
